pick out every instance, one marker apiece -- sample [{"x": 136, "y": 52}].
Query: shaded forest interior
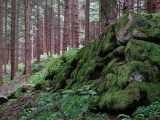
[
  {"x": 31, "y": 30},
  {"x": 78, "y": 59}
]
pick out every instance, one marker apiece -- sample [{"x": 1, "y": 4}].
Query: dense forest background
[
  {"x": 35, "y": 29},
  {"x": 79, "y": 59}
]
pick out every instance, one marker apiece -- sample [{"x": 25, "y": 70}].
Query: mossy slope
[{"x": 122, "y": 64}]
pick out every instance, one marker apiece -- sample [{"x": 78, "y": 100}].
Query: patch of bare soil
[{"x": 12, "y": 109}]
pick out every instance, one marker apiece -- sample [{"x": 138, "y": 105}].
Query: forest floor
[
  {"x": 14, "y": 108},
  {"x": 12, "y": 85}
]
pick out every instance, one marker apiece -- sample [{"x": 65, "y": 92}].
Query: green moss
[
  {"x": 53, "y": 67},
  {"x": 151, "y": 89},
  {"x": 111, "y": 66},
  {"x": 44, "y": 86},
  {"x": 111, "y": 80},
  {"x": 142, "y": 50},
  {"x": 69, "y": 83},
  {"x": 124, "y": 72},
  {"x": 108, "y": 43},
  {"x": 120, "y": 99},
  {"x": 76, "y": 86},
  {"x": 121, "y": 22},
  {"x": 101, "y": 86}
]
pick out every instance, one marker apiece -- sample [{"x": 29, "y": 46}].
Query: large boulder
[{"x": 122, "y": 64}]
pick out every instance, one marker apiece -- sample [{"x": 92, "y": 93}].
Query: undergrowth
[
  {"x": 151, "y": 112},
  {"x": 66, "y": 105}
]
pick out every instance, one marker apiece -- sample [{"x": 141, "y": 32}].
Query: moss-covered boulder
[{"x": 122, "y": 64}]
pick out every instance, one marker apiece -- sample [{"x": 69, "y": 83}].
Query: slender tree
[
  {"x": 1, "y": 41},
  {"x": 58, "y": 30},
  {"x": 16, "y": 35},
  {"x": 52, "y": 29},
  {"x": 5, "y": 37},
  {"x": 38, "y": 33},
  {"x": 66, "y": 26},
  {"x": 75, "y": 26},
  {"x": 87, "y": 26},
  {"x": 27, "y": 38},
  {"x": 13, "y": 39}
]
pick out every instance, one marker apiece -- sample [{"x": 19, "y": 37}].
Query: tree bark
[
  {"x": 75, "y": 27},
  {"x": 13, "y": 39},
  {"x": 58, "y": 30},
  {"x": 87, "y": 22},
  {"x": 38, "y": 33},
  {"x": 108, "y": 13},
  {"x": 16, "y": 35},
  {"x": 27, "y": 38},
  {"x": 1, "y": 41},
  {"x": 66, "y": 26},
  {"x": 5, "y": 37}
]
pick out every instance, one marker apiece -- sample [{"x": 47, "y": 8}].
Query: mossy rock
[
  {"x": 139, "y": 26},
  {"x": 142, "y": 50},
  {"x": 122, "y": 64}
]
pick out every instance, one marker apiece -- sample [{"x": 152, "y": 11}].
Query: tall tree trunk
[
  {"x": 75, "y": 27},
  {"x": 151, "y": 6},
  {"x": 50, "y": 30},
  {"x": 16, "y": 36},
  {"x": 27, "y": 38},
  {"x": 66, "y": 26},
  {"x": 58, "y": 30},
  {"x": 107, "y": 12},
  {"x": 87, "y": 22},
  {"x": 45, "y": 43},
  {"x": 13, "y": 30},
  {"x": 38, "y": 33},
  {"x": 44, "y": 36},
  {"x": 53, "y": 30},
  {"x": 1, "y": 41},
  {"x": 5, "y": 37}
]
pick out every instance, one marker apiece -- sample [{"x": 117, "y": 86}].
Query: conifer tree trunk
[
  {"x": 38, "y": 33},
  {"x": 107, "y": 12},
  {"x": 13, "y": 39},
  {"x": 5, "y": 38},
  {"x": 151, "y": 6},
  {"x": 58, "y": 30},
  {"x": 1, "y": 41},
  {"x": 87, "y": 22},
  {"x": 66, "y": 26},
  {"x": 16, "y": 35},
  {"x": 45, "y": 27},
  {"x": 27, "y": 38},
  {"x": 75, "y": 27},
  {"x": 53, "y": 29},
  {"x": 44, "y": 36}
]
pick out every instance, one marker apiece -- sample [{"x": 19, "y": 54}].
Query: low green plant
[
  {"x": 149, "y": 112},
  {"x": 36, "y": 78},
  {"x": 66, "y": 105},
  {"x": 127, "y": 117}
]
